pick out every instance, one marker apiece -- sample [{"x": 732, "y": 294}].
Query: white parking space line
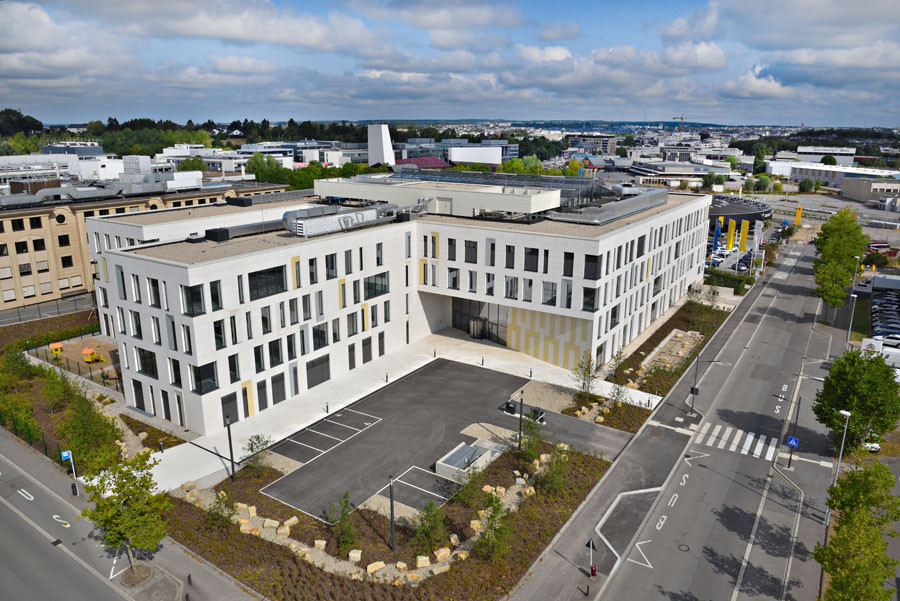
[
  {"x": 703, "y": 430},
  {"x": 303, "y": 444},
  {"x": 736, "y": 440},
  {"x": 430, "y": 473},
  {"x": 434, "y": 494},
  {"x": 747, "y": 442},
  {"x": 712, "y": 437},
  {"x": 361, "y": 413},
  {"x": 759, "y": 445},
  {"x": 344, "y": 425},
  {"x": 724, "y": 440},
  {"x": 326, "y": 435},
  {"x": 771, "y": 450}
]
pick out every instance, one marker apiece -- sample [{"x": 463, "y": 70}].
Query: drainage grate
[{"x": 683, "y": 547}]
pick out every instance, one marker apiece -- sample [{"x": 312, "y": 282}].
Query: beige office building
[{"x": 865, "y": 189}]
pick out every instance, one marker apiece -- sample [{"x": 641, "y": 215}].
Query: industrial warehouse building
[{"x": 226, "y": 310}]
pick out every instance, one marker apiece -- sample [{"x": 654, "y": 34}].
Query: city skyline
[{"x": 818, "y": 63}]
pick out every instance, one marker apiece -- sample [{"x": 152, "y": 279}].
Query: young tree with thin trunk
[{"x": 585, "y": 372}]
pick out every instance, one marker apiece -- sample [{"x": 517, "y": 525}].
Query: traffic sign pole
[{"x": 71, "y": 457}]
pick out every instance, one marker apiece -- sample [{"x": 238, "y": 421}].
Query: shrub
[
  {"x": 532, "y": 437},
  {"x": 16, "y": 364},
  {"x": 220, "y": 512},
  {"x": 17, "y": 414},
  {"x": 552, "y": 479},
  {"x": 256, "y": 449},
  {"x": 470, "y": 493},
  {"x": 343, "y": 530},
  {"x": 876, "y": 259},
  {"x": 493, "y": 544},
  {"x": 430, "y": 531},
  {"x": 54, "y": 336},
  {"x": 90, "y": 435},
  {"x": 58, "y": 390}
]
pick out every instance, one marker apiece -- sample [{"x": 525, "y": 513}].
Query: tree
[
  {"x": 839, "y": 242},
  {"x": 256, "y": 451},
  {"x": 585, "y": 372},
  {"x": 778, "y": 188},
  {"x": 220, "y": 512},
  {"x": 683, "y": 185},
  {"x": 532, "y": 439},
  {"x": 6, "y": 149},
  {"x": 868, "y": 487},
  {"x": 90, "y": 435},
  {"x": 733, "y": 160},
  {"x": 58, "y": 390},
  {"x": 720, "y": 180},
  {"x": 193, "y": 164},
  {"x": 572, "y": 168},
  {"x": 709, "y": 178},
  {"x": 828, "y": 160},
  {"x": 12, "y": 121},
  {"x": 876, "y": 259},
  {"x": 807, "y": 185},
  {"x": 762, "y": 183},
  {"x": 256, "y": 163},
  {"x": 531, "y": 164},
  {"x": 127, "y": 506},
  {"x": 759, "y": 162},
  {"x": 856, "y": 559},
  {"x": 345, "y": 533},
  {"x": 430, "y": 530},
  {"x": 863, "y": 384},
  {"x": 492, "y": 543},
  {"x": 622, "y": 152},
  {"x": 831, "y": 284}
]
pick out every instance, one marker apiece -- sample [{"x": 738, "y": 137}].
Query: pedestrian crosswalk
[{"x": 736, "y": 440}]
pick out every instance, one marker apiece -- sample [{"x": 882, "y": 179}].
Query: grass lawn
[
  {"x": 862, "y": 320},
  {"x": 890, "y": 446}
]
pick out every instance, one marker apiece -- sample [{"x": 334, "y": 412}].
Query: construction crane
[{"x": 680, "y": 127}]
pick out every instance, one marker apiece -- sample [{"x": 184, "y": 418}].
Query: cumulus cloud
[
  {"x": 700, "y": 23},
  {"x": 537, "y": 54},
  {"x": 242, "y": 64},
  {"x": 751, "y": 85},
  {"x": 555, "y": 31},
  {"x": 690, "y": 55},
  {"x": 440, "y": 14}
]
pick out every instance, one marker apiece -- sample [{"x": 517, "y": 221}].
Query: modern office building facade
[{"x": 245, "y": 315}]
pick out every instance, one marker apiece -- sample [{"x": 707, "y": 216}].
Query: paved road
[
  {"x": 35, "y": 498},
  {"x": 672, "y": 528},
  {"x": 34, "y": 570}
]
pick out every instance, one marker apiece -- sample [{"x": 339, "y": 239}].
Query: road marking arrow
[
  {"x": 646, "y": 562},
  {"x": 64, "y": 523},
  {"x": 698, "y": 456},
  {"x": 25, "y": 494}
]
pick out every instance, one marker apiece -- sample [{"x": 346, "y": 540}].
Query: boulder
[
  {"x": 517, "y": 473},
  {"x": 500, "y": 491},
  {"x": 513, "y": 508},
  {"x": 374, "y": 567},
  {"x": 270, "y": 523},
  {"x": 442, "y": 554},
  {"x": 545, "y": 457},
  {"x": 422, "y": 561},
  {"x": 462, "y": 555},
  {"x": 520, "y": 481},
  {"x": 401, "y": 566},
  {"x": 222, "y": 494},
  {"x": 255, "y": 532},
  {"x": 283, "y": 531},
  {"x": 354, "y": 555},
  {"x": 454, "y": 540},
  {"x": 536, "y": 465},
  {"x": 439, "y": 569},
  {"x": 243, "y": 521},
  {"x": 319, "y": 544},
  {"x": 487, "y": 488},
  {"x": 578, "y": 413},
  {"x": 245, "y": 528},
  {"x": 303, "y": 554},
  {"x": 188, "y": 486},
  {"x": 593, "y": 406},
  {"x": 585, "y": 409},
  {"x": 482, "y": 513},
  {"x": 397, "y": 582},
  {"x": 294, "y": 547},
  {"x": 356, "y": 576},
  {"x": 240, "y": 506},
  {"x": 291, "y": 521},
  {"x": 251, "y": 511},
  {"x": 412, "y": 576},
  {"x": 142, "y": 435},
  {"x": 527, "y": 492},
  {"x": 475, "y": 525},
  {"x": 598, "y": 419},
  {"x": 606, "y": 410}
]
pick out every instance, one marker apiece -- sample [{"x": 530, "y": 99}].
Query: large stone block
[
  {"x": 283, "y": 531},
  {"x": 291, "y": 521},
  {"x": 251, "y": 511},
  {"x": 422, "y": 561},
  {"x": 354, "y": 555},
  {"x": 439, "y": 569},
  {"x": 462, "y": 555},
  {"x": 475, "y": 525},
  {"x": 401, "y": 566},
  {"x": 319, "y": 544},
  {"x": 487, "y": 488},
  {"x": 270, "y": 523},
  {"x": 374, "y": 567},
  {"x": 500, "y": 491},
  {"x": 442, "y": 554},
  {"x": 454, "y": 540}
]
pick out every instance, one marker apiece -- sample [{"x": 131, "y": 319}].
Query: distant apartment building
[
  {"x": 596, "y": 143},
  {"x": 227, "y": 310}
]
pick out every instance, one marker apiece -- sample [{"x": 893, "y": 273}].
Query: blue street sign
[
  {"x": 793, "y": 442},
  {"x": 66, "y": 455}
]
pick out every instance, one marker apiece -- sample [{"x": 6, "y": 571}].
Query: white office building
[
  {"x": 226, "y": 310},
  {"x": 843, "y": 155}
]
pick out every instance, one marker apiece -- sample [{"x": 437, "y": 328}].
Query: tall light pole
[
  {"x": 855, "y": 271},
  {"x": 837, "y": 469},
  {"x": 850, "y": 325},
  {"x": 694, "y": 390}
]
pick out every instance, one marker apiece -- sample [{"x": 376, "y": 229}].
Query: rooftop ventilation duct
[{"x": 321, "y": 220}]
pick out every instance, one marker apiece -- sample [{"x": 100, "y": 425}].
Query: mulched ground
[
  {"x": 154, "y": 435},
  {"x": 274, "y": 572},
  {"x": 19, "y": 331}
]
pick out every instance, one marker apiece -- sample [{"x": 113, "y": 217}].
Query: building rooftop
[{"x": 213, "y": 210}]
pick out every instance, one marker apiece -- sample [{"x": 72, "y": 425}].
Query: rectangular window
[
  {"x": 240, "y": 285},
  {"x": 234, "y": 368},
  {"x": 34, "y": 223},
  {"x": 473, "y": 281},
  {"x": 63, "y": 240},
  {"x": 154, "y": 326},
  {"x": 215, "y": 295},
  {"x": 204, "y": 378},
  {"x": 262, "y": 395},
  {"x": 331, "y": 271},
  {"x": 24, "y": 268},
  {"x": 451, "y": 249},
  {"x": 275, "y": 352},
  {"x": 248, "y": 319},
  {"x": 568, "y": 264},
  {"x": 373, "y": 315},
  {"x": 434, "y": 251},
  {"x": 18, "y": 225},
  {"x": 351, "y": 324},
  {"x": 320, "y": 336},
  {"x": 278, "y": 393},
  {"x": 66, "y": 261},
  {"x": 266, "y": 282},
  {"x": 335, "y": 330},
  {"x": 266, "y": 318},
  {"x": 146, "y": 362},
  {"x": 548, "y": 296},
  {"x": 259, "y": 358},
  {"x": 567, "y": 294},
  {"x": 546, "y": 261},
  {"x": 175, "y": 372},
  {"x": 292, "y": 311},
  {"x": 510, "y": 257},
  {"x": 307, "y": 309},
  {"x": 291, "y": 346},
  {"x": 219, "y": 333},
  {"x": 38, "y": 244},
  {"x": 589, "y": 300},
  {"x": 527, "y": 289},
  {"x": 186, "y": 340},
  {"x": 408, "y": 245},
  {"x": 136, "y": 330},
  {"x": 351, "y": 356},
  {"x": 313, "y": 272},
  {"x": 531, "y": 259},
  {"x": 355, "y": 292},
  {"x": 348, "y": 262},
  {"x": 453, "y": 278},
  {"x": 361, "y": 263},
  {"x": 592, "y": 267},
  {"x": 192, "y": 300},
  {"x": 471, "y": 251},
  {"x": 343, "y": 295},
  {"x": 317, "y": 371},
  {"x": 379, "y": 258},
  {"x": 153, "y": 290},
  {"x": 387, "y": 311},
  {"x": 376, "y": 285},
  {"x": 492, "y": 246},
  {"x": 511, "y": 290},
  {"x": 489, "y": 284},
  {"x": 366, "y": 350}
]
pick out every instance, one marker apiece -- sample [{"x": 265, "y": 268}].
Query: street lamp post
[
  {"x": 837, "y": 469},
  {"x": 850, "y": 325},
  {"x": 694, "y": 390},
  {"x": 855, "y": 271}
]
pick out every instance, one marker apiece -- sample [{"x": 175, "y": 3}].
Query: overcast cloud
[{"x": 727, "y": 61}]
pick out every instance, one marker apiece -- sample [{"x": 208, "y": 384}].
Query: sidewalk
[
  {"x": 170, "y": 562},
  {"x": 206, "y": 461}
]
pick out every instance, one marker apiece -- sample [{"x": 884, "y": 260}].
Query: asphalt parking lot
[{"x": 399, "y": 431}]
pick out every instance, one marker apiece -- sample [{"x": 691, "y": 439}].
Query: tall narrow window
[
  {"x": 378, "y": 255},
  {"x": 313, "y": 272},
  {"x": 215, "y": 295},
  {"x": 510, "y": 257}
]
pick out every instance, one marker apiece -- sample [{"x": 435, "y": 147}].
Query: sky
[{"x": 778, "y": 62}]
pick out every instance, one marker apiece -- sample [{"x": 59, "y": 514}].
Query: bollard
[
  {"x": 44, "y": 440},
  {"x": 160, "y": 446},
  {"x": 482, "y": 360},
  {"x": 434, "y": 352},
  {"x": 190, "y": 581},
  {"x": 385, "y": 378},
  {"x": 529, "y": 372}
]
